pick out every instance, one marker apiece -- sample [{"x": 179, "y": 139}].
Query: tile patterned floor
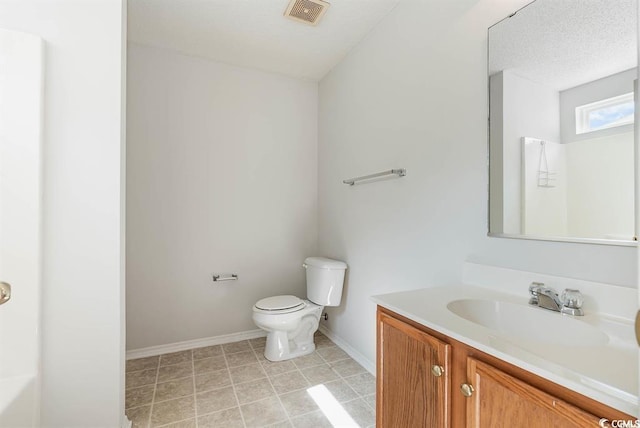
[{"x": 233, "y": 385}]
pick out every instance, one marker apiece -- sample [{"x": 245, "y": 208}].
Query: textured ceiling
[
  {"x": 565, "y": 43},
  {"x": 254, "y": 33}
]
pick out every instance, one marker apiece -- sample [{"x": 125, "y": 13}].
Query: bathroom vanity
[{"x": 480, "y": 356}]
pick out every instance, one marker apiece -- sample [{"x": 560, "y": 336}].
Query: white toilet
[{"x": 291, "y": 321}]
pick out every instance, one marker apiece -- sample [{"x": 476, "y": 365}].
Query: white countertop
[{"x": 606, "y": 373}]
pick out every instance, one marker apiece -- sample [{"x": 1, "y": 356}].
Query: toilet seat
[{"x": 280, "y": 304}]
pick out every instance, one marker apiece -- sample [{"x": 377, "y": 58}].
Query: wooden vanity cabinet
[
  {"x": 413, "y": 383},
  {"x": 411, "y": 394},
  {"x": 499, "y": 399}
]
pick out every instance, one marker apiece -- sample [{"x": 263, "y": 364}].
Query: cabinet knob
[
  {"x": 466, "y": 389},
  {"x": 5, "y": 292},
  {"x": 437, "y": 370}
]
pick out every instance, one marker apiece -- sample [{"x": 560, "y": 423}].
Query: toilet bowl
[
  {"x": 290, "y": 334},
  {"x": 290, "y": 322}
]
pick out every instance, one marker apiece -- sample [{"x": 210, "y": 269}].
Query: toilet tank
[{"x": 325, "y": 278}]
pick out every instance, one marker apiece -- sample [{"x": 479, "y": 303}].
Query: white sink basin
[{"x": 523, "y": 322}]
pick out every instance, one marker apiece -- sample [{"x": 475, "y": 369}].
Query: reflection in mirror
[{"x": 561, "y": 121}]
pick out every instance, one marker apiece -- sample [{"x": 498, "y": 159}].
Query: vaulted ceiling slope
[{"x": 254, "y": 33}]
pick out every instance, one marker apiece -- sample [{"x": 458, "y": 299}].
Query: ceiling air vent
[{"x": 307, "y": 11}]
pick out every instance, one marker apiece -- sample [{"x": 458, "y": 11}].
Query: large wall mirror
[{"x": 561, "y": 121}]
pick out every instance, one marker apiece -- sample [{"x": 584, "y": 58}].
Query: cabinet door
[
  {"x": 500, "y": 400},
  {"x": 413, "y": 377}
]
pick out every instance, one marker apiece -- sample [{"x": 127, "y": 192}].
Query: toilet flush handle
[{"x": 304, "y": 265}]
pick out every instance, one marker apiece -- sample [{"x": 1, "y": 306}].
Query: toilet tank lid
[{"x": 325, "y": 263}]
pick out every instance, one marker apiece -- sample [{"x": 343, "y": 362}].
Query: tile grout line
[
  {"x": 255, "y": 349},
  {"x": 226, "y": 408},
  {"x": 344, "y": 378},
  {"x": 271, "y": 383},
  {"x": 193, "y": 378},
  {"x": 153, "y": 397},
  {"x": 223, "y": 387},
  {"x": 340, "y": 377},
  {"x": 295, "y": 390},
  {"x": 324, "y": 362},
  {"x": 313, "y": 411},
  {"x": 249, "y": 402},
  {"x": 233, "y": 387},
  {"x": 174, "y": 422}
]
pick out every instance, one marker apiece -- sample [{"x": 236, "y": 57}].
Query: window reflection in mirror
[{"x": 561, "y": 113}]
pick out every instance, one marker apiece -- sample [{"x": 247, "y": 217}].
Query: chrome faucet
[{"x": 547, "y": 298}]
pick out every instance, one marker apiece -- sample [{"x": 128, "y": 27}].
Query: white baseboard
[
  {"x": 361, "y": 359},
  {"x": 151, "y": 351},
  {"x": 196, "y": 343}
]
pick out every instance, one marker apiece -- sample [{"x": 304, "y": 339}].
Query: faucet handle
[
  {"x": 534, "y": 289},
  {"x": 572, "y": 301},
  {"x": 572, "y": 298}
]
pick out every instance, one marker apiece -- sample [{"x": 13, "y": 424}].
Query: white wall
[
  {"x": 82, "y": 292},
  {"x": 592, "y": 188},
  {"x": 22, "y": 88},
  {"x": 600, "y": 187},
  {"x": 221, "y": 177},
  {"x": 413, "y": 94},
  {"x": 600, "y": 164},
  {"x": 530, "y": 109}
]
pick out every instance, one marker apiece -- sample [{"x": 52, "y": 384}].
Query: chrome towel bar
[
  {"x": 225, "y": 277},
  {"x": 400, "y": 172}
]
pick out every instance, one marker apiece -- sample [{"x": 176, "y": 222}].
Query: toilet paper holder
[{"x": 219, "y": 277}]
